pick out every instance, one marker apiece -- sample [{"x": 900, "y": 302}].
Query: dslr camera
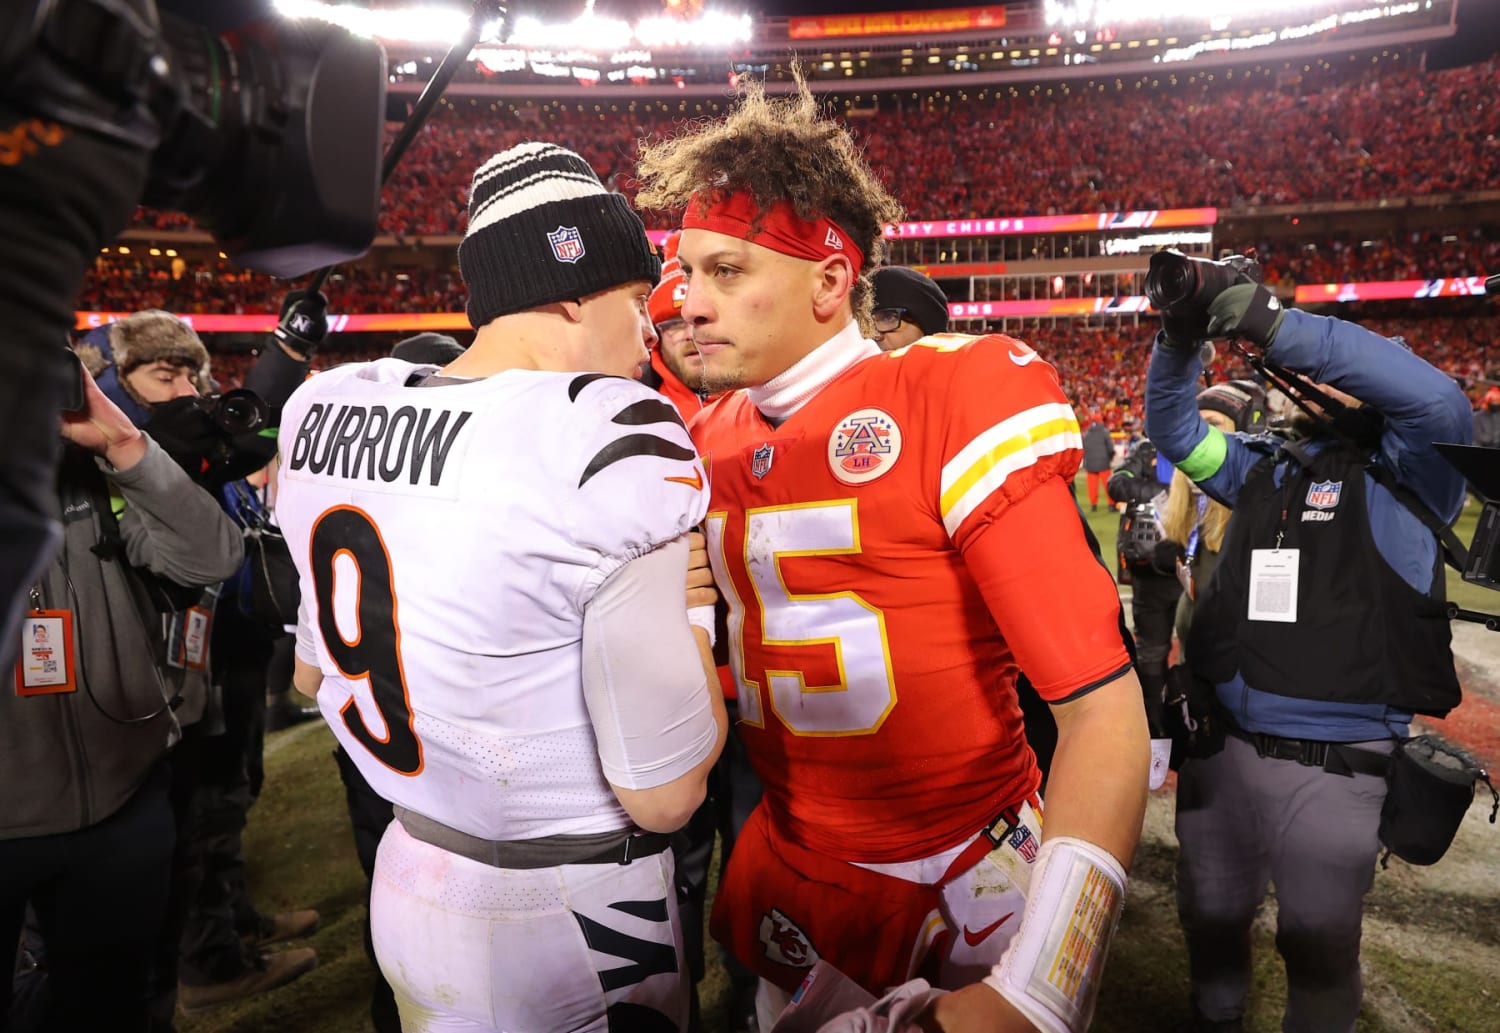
[
  {"x": 235, "y": 412},
  {"x": 269, "y": 135},
  {"x": 1179, "y": 283}
]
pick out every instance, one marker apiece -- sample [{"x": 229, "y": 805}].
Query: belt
[
  {"x": 1334, "y": 757},
  {"x": 547, "y": 852}
]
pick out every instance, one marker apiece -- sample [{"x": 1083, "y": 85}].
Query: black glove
[
  {"x": 1246, "y": 310},
  {"x": 1183, "y": 330},
  {"x": 209, "y": 455},
  {"x": 304, "y": 321},
  {"x": 1165, "y": 556}
]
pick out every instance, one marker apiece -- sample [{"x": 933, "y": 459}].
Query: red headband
[{"x": 781, "y": 228}]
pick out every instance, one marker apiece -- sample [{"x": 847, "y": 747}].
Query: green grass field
[{"x": 1432, "y": 943}]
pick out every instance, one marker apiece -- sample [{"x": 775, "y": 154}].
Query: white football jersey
[{"x": 447, "y": 540}]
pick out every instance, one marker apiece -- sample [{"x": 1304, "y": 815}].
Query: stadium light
[
  {"x": 589, "y": 31},
  {"x": 416, "y": 24},
  {"x": 1215, "y": 13},
  {"x": 712, "y": 30}
]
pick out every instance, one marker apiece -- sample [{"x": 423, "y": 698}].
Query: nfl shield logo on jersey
[
  {"x": 567, "y": 243},
  {"x": 1024, "y": 843},
  {"x": 760, "y": 460},
  {"x": 785, "y": 943},
  {"x": 1324, "y": 494}
]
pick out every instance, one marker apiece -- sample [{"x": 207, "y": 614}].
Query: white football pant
[{"x": 585, "y": 947}]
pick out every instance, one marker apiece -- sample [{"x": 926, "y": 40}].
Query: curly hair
[{"x": 776, "y": 149}]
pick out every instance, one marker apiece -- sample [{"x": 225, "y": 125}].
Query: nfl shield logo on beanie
[
  {"x": 567, "y": 243},
  {"x": 512, "y": 261}
]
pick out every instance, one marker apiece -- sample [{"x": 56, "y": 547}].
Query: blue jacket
[{"x": 1420, "y": 404}]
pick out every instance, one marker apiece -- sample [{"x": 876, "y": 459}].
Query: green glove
[{"x": 1246, "y": 310}]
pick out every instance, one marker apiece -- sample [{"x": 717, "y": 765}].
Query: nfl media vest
[{"x": 1362, "y": 634}]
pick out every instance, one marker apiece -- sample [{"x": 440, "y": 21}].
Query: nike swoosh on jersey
[
  {"x": 1022, "y": 360},
  {"x": 974, "y": 939},
  {"x": 695, "y": 482}
]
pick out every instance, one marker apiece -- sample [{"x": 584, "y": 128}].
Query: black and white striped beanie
[{"x": 542, "y": 228}]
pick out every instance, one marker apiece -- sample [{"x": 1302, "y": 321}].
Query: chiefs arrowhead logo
[{"x": 785, "y": 943}]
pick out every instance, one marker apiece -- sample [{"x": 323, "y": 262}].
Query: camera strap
[
  {"x": 1298, "y": 388},
  {"x": 1453, "y": 549}
]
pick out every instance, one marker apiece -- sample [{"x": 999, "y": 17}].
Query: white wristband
[
  {"x": 1052, "y": 969},
  {"x": 703, "y": 617}
]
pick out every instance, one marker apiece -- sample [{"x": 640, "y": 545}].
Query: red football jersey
[{"x": 877, "y": 693}]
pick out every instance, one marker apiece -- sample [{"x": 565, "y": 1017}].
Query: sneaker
[
  {"x": 267, "y": 972},
  {"x": 282, "y": 926}
]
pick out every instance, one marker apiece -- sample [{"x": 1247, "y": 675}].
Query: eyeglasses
[{"x": 889, "y": 319}]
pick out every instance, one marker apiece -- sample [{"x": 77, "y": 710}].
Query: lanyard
[{"x": 1192, "y": 542}]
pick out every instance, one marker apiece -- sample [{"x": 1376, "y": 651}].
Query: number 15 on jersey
[{"x": 825, "y": 658}]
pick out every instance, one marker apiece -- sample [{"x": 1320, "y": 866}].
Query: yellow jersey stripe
[{"x": 1013, "y": 444}]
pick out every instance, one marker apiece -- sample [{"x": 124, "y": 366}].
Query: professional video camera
[{"x": 269, "y": 136}]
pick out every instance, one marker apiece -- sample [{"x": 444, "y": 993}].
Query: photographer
[
  {"x": 154, "y": 366},
  {"x": 88, "y": 829},
  {"x": 1321, "y": 633},
  {"x": 1141, "y": 483}
]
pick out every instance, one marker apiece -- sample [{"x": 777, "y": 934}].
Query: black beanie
[
  {"x": 896, "y": 286},
  {"x": 542, "y": 228},
  {"x": 1243, "y": 401},
  {"x": 427, "y": 349}
]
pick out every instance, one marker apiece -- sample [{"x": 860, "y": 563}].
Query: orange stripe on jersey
[{"x": 1010, "y": 445}]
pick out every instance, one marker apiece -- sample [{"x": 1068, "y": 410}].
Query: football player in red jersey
[{"x": 895, "y": 538}]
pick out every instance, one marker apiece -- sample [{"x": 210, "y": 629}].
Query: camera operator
[
  {"x": 62, "y": 197},
  {"x": 1321, "y": 632},
  {"x": 88, "y": 828},
  {"x": 153, "y": 365}
]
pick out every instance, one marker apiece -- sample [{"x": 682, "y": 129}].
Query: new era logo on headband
[
  {"x": 833, "y": 240},
  {"x": 567, "y": 243}
]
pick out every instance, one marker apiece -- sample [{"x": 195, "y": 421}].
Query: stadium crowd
[
  {"x": 1390, "y": 129},
  {"x": 1103, "y": 367},
  {"x": 122, "y": 283},
  {"x": 1414, "y": 256}
]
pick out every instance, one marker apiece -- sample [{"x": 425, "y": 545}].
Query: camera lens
[
  {"x": 1171, "y": 280},
  {"x": 239, "y": 412}
]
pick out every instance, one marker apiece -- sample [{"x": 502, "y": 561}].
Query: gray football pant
[{"x": 1244, "y": 821}]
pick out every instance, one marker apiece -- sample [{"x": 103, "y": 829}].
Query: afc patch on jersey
[
  {"x": 864, "y": 445},
  {"x": 785, "y": 942}
]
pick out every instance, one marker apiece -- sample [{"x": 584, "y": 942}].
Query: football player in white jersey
[{"x": 493, "y": 558}]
